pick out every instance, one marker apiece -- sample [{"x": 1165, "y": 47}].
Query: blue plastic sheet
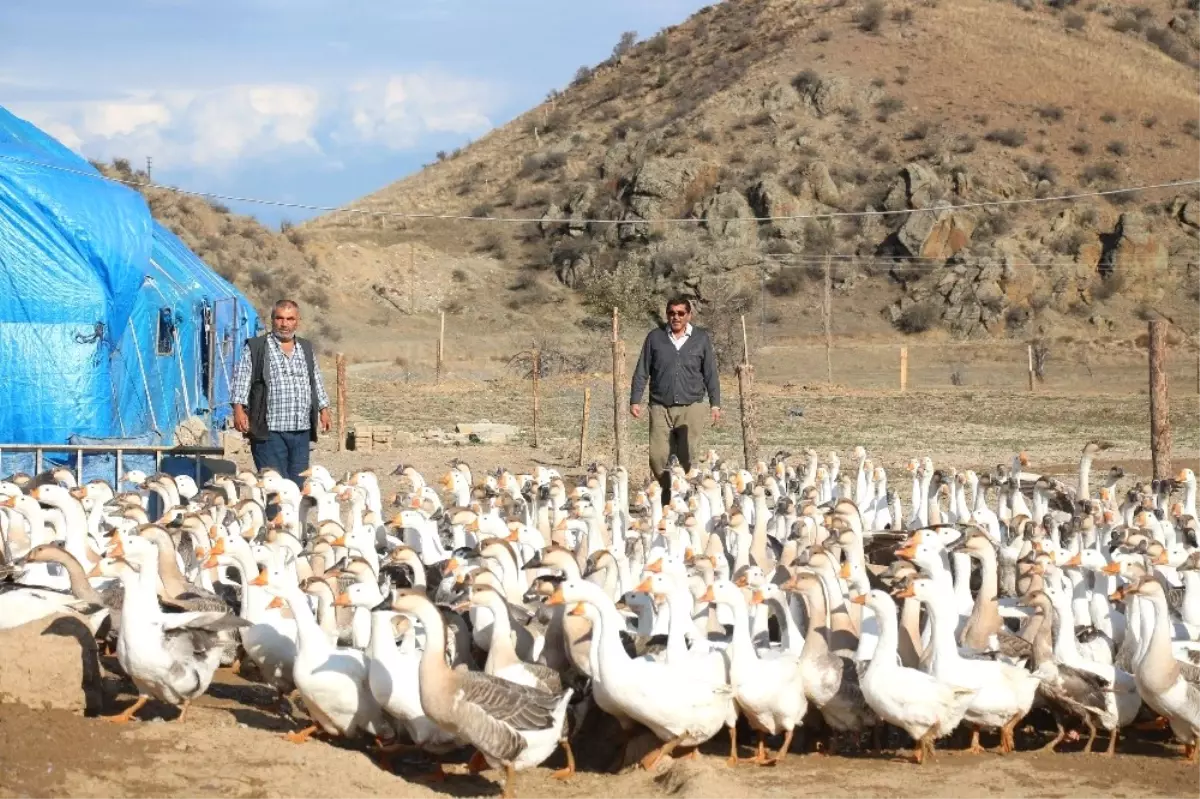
[{"x": 110, "y": 327}]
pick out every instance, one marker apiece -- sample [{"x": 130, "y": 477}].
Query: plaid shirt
[{"x": 289, "y": 398}]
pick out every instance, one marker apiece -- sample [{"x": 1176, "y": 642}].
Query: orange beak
[
  {"x": 707, "y": 596},
  {"x": 218, "y": 548},
  {"x": 260, "y": 579},
  {"x": 275, "y": 603},
  {"x": 655, "y": 567},
  {"x": 1112, "y": 568},
  {"x": 1074, "y": 561},
  {"x": 844, "y": 573},
  {"x": 756, "y": 598},
  {"x": 578, "y": 610},
  {"x": 342, "y": 600},
  {"x": 416, "y": 503},
  {"x": 908, "y": 552},
  {"x": 340, "y": 541},
  {"x": 740, "y": 582},
  {"x": 118, "y": 549},
  {"x": 1161, "y": 558},
  {"x": 859, "y": 599},
  {"x": 557, "y": 597},
  {"x": 906, "y": 593},
  {"x": 645, "y": 586},
  {"x": 513, "y": 537}
]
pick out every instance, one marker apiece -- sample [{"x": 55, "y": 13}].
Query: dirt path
[{"x": 231, "y": 745}]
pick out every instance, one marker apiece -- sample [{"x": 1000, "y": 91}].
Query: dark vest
[{"x": 260, "y": 377}]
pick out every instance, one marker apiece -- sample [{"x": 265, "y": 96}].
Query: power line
[{"x": 678, "y": 220}]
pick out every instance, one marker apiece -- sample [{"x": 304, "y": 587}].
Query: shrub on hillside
[
  {"x": 787, "y": 282},
  {"x": 1009, "y": 137},
  {"x": 917, "y": 318},
  {"x": 869, "y": 18}
]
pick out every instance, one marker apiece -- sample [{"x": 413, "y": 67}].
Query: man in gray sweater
[{"x": 678, "y": 361}]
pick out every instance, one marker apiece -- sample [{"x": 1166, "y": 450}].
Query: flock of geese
[{"x": 499, "y": 613}]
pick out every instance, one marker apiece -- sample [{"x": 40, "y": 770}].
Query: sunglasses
[{"x": 677, "y": 313}]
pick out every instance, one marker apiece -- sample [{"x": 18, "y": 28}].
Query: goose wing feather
[{"x": 492, "y": 713}]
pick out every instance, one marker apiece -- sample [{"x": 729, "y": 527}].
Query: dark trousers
[{"x": 284, "y": 451}]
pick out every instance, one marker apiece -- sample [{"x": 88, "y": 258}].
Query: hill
[{"x": 758, "y": 108}]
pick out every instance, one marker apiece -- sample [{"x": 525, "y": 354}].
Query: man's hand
[
  {"x": 635, "y": 411},
  {"x": 241, "y": 420},
  {"x": 716, "y": 415},
  {"x": 326, "y": 424}
]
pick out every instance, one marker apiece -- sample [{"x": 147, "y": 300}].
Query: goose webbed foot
[
  {"x": 975, "y": 748},
  {"x": 127, "y": 715},
  {"x": 651, "y": 760},
  {"x": 1057, "y": 739},
  {"x": 302, "y": 736},
  {"x": 183, "y": 710},
  {"x": 569, "y": 771}
]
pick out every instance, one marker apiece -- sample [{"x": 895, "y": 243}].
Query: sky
[{"x": 311, "y": 101}]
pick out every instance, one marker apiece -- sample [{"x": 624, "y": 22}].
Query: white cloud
[
  {"x": 397, "y": 110},
  {"x": 217, "y": 129}
]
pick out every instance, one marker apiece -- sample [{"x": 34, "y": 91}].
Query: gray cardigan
[{"x": 677, "y": 377}]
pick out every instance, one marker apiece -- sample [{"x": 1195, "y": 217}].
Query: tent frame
[{"x": 196, "y": 453}]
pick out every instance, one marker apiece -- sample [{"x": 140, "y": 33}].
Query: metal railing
[{"x": 39, "y": 450}]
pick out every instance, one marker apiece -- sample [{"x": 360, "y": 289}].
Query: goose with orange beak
[
  {"x": 514, "y": 727},
  {"x": 918, "y": 703},
  {"x": 769, "y": 692},
  {"x": 170, "y": 657},
  {"x": 680, "y": 708}
]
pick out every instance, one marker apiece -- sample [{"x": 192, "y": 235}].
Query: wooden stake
[
  {"x": 1160, "y": 412},
  {"x": 745, "y": 373},
  {"x": 826, "y": 314},
  {"x": 441, "y": 345},
  {"x": 537, "y": 368},
  {"x": 583, "y": 428},
  {"x": 340, "y": 360},
  {"x": 745, "y": 342},
  {"x": 903, "y": 369},
  {"x": 620, "y": 392},
  {"x": 1029, "y": 350},
  {"x": 412, "y": 278}
]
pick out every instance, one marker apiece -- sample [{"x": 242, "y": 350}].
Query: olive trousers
[{"x": 675, "y": 430}]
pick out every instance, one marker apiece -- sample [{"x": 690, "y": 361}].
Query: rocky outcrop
[
  {"x": 1135, "y": 250},
  {"x": 969, "y": 298},
  {"x": 769, "y": 197},
  {"x": 833, "y": 94},
  {"x": 917, "y": 186},
  {"x": 660, "y": 184},
  {"x": 936, "y": 234},
  {"x": 720, "y": 212},
  {"x": 823, "y": 187}
]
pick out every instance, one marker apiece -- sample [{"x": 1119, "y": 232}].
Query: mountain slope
[{"x": 769, "y": 108}]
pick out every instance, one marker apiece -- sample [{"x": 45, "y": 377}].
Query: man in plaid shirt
[{"x": 278, "y": 395}]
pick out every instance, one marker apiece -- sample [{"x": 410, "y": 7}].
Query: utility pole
[{"x": 149, "y": 169}]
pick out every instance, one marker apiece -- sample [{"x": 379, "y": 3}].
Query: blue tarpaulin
[{"x": 110, "y": 327}]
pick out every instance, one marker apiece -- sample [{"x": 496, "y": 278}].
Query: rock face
[
  {"x": 936, "y": 234},
  {"x": 769, "y": 197},
  {"x": 969, "y": 298},
  {"x": 824, "y": 189},
  {"x": 660, "y": 183},
  {"x": 917, "y": 186},
  {"x": 1136, "y": 251},
  {"x": 833, "y": 94},
  {"x": 720, "y": 212},
  {"x": 52, "y": 663}
]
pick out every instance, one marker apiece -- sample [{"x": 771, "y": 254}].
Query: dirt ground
[{"x": 231, "y": 745}]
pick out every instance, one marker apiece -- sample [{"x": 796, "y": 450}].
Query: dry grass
[{"x": 975, "y": 425}]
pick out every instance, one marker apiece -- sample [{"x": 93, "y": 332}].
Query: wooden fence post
[
  {"x": 340, "y": 360},
  {"x": 620, "y": 392},
  {"x": 745, "y": 373},
  {"x": 826, "y": 315},
  {"x": 537, "y": 368},
  {"x": 583, "y": 429},
  {"x": 903, "y": 369},
  {"x": 1029, "y": 350},
  {"x": 1160, "y": 411},
  {"x": 441, "y": 346}
]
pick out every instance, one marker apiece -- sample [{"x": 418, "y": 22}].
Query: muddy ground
[{"x": 232, "y": 744}]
